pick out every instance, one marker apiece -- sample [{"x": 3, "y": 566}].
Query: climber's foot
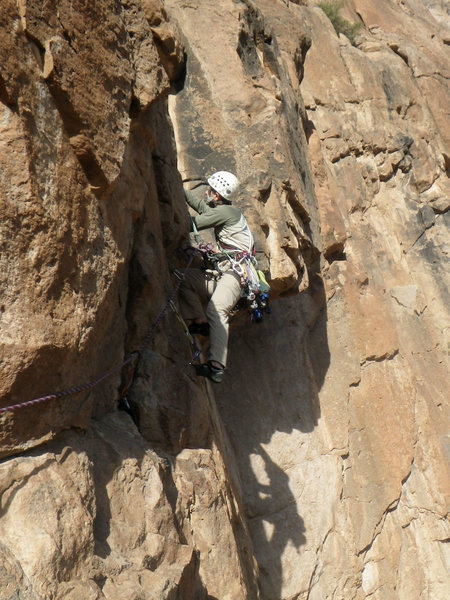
[{"x": 211, "y": 371}]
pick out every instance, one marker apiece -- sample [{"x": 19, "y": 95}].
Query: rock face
[{"x": 319, "y": 468}]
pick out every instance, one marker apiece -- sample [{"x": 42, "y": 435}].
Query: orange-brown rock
[{"x": 319, "y": 468}]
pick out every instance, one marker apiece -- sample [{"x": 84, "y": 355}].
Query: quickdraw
[{"x": 195, "y": 349}]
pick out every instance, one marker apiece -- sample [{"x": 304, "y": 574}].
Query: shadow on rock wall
[{"x": 268, "y": 402}]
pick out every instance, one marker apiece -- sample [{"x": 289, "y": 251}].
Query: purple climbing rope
[{"x": 88, "y": 386}]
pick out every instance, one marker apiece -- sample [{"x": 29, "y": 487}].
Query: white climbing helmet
[{"x": 224, "y": 183}]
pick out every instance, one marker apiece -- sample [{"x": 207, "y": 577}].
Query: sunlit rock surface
[{"x": 319, "y": 468}]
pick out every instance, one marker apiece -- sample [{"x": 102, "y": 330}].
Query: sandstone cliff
[{"x": 319, "y": 468}]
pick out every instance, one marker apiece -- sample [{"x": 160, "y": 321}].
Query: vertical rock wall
[
  {"x": 384, "y": 146},
  {"x": 93, "y": 211},
  {"x": 322, "y": 470},
  {"x": 336, "y": 404}
]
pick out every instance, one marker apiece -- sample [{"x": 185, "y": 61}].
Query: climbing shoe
[
  {"x": 199, "y": 328},
  {"x": 209, "y": 371}
]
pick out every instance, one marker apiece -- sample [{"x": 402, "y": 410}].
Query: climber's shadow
[
  {"x": 274, "y": 525},
  {"x": 269, "y": 404}
]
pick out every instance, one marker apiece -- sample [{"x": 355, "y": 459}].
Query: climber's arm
[{"x": 195, "y": 202}]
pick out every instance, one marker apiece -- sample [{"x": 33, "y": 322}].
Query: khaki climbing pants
[{"x": 219, "y": 296}]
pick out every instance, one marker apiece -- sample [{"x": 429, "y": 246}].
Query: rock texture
[
  {"x": 93, "y": 209},
  {"x": 319, "y": 469}
]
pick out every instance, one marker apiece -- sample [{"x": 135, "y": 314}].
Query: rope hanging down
[{"x": 88, "y": 386}]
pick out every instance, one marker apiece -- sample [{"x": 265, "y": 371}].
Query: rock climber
[{"x": 218, "y": 289}]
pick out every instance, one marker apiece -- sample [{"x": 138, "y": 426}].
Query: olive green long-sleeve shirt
[{"x": 230, "y": 226}]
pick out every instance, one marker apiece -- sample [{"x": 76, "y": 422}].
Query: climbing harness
[
  {"x": 133, "y": 358},
  {"x": 254, "y": 287}
]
